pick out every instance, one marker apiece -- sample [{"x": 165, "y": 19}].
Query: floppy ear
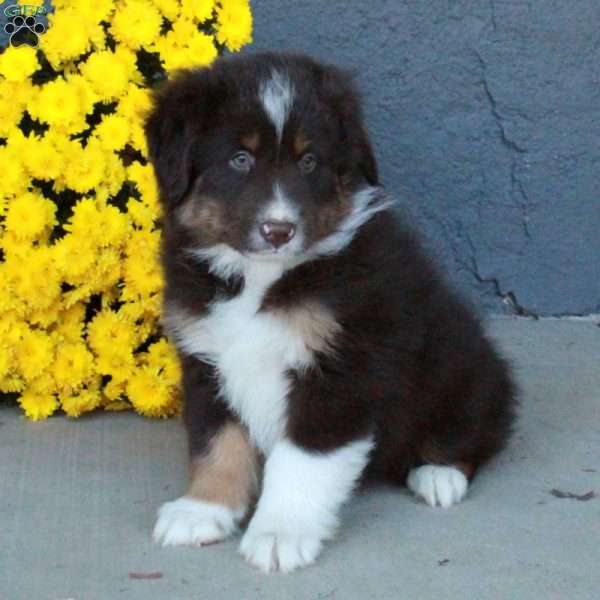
[
  {"x": 172, "y": 127},
  {"x": 339, "y": 87},
  {"x": 364, "y": 156}
]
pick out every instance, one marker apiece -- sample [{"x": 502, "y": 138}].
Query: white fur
[
  {"x": 365, "y": 204},
  {"x": 193, "y": 522},
  {"x": 252, "y": 350},
  {"x": 277, "y": 97},
  {"x": 223, "y": 260},
  {"x": 438, "y": 485},
  {"x": 279, "y": 208},
  {"x": 298, "y": 509}
]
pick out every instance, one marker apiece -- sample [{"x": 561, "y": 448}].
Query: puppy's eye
[
  {"x": 242, "y": 161},
  {"x": 307, "y": 162}
]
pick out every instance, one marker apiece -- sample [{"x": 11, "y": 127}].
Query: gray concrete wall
[{"x": 486, "y": 119}]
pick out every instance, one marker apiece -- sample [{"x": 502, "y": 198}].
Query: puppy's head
[{"x": 266, "y": 154}]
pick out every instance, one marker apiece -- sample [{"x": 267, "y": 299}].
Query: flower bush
[{"x": 79, "y": 232}]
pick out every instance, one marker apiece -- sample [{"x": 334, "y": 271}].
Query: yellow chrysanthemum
[
  {"x": 70, "y": 323},
  {"x": 150, "y": 394},
  {"x": 42, "y": 158},
  {"x": 113, "y": 132},
  {"x": 29, "y": 215},
  {"x": 95, "y": 71},
  {"x": 38, "y": 406},
  {"x": 203, "y": 48},
  {"x": 234, "y": 23},
  {"x": 86, "y": 166},
  {"x": 200, "y": 10},
  {"x": 136, "y": 23},
  {"x": 109, "y": 331},
  {"x": 56, "y": 105},
  {"x": 18, "y": 64},
  {"x": 168, "y": 8},
  {"x": 74, "y": 364},
  {"x": 82, "y": 402},
  {"x": 66, "y": 257},
  {"x": 33, "y": 353}
]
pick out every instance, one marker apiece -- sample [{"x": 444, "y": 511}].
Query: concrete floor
[{"x": 78, "y": 499}]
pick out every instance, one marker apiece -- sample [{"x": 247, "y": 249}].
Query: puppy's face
[{"x": 265, "y": 154}]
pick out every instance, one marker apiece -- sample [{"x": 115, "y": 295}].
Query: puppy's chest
[{"x": 252, "y": 352}]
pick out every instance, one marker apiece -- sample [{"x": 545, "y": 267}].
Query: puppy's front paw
[
  {"x": 438, "y": 485},
  {"x": 193, "y": 522},
  {"x": 277, "y": 551}
]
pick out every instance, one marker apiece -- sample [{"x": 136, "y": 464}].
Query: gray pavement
[{"x": 78, "y": 499}]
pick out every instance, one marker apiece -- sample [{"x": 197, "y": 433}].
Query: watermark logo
[{"x": 24, "y": 26}]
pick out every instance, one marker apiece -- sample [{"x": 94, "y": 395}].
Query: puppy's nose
[{"x": 277, "y": 233}]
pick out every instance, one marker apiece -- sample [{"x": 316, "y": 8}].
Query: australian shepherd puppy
[{"x": 318, "y": 343}]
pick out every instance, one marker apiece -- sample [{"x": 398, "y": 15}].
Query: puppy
[{"x": 318, "y": 343}]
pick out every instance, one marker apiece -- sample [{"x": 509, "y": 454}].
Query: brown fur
[
  {"x": 315, "y": 325},
  {"x": 251, "y": 141},
  {"x": 301, "y": 143},
  {"x": 204, "y": 216},
  {"x": 228, "y": 473}
]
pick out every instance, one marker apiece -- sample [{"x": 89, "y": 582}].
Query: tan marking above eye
[
  {"x": 229, "y": 473},
  {"x": 251, "y": 141},
  {"x": 301, "y": 143}
]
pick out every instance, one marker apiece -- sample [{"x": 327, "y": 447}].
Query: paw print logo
[{"x": 24, "y": 31}]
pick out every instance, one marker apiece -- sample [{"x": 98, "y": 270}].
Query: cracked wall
[{"x": 486, "y": 120}]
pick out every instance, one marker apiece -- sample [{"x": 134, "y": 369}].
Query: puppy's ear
[
  {"x": 339, "y": 87},
  {"x": 363, "y": 154},
  {"x": 173, "y": 127}
]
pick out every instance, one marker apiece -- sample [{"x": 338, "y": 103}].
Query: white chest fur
[{"x": 251, "y": 350}]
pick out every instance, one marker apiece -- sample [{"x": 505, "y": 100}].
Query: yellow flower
[
  {"x": 183, "y": 30},
  {"x": 109, "y": 331},
  {"x": 135, "y": 103},
  {"x": 168, "y": 8},
  {"x": 38, "y": 406},
  {"x": 42, "y": 158},
  {"x": 13, "y": 97},
  {"x": 201, "y": 10},
  {"x": 95, "y": 71},
  {"x": 34, "y": 353},
  {"x": 83, "y": 401},
  {"x": 150, "y": 394},
  {"x": 29, "y": 215},
  {"x": 114, "y": 225},
  {"x": 113, "y": 132},
  {"x": 69, "y": 262},
  {"x": 18, "y": 64},
  {"x": 234, "y": 23},
  {"x": 136, "y": 23},
  {"x": 57, "y": 105},
  {"x": 85, "y": 166},
  {"x": 74, "y": 364},
  {"x": 14, "y": 181},
  {"x": 69, "y": 326},
  {"x": 74, "y": 257}
]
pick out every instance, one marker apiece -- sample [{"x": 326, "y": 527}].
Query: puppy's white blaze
[
  {"x": 277, "y": 97},
  {"x": 281, "y": 208},
  {"x": 364, "y": 205},
  {"x": 298, "y": 509},
  {"x": 438, "y": 485},
  {"x": 252, "y": 351},
  {"x": 193, "y": 522}
]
